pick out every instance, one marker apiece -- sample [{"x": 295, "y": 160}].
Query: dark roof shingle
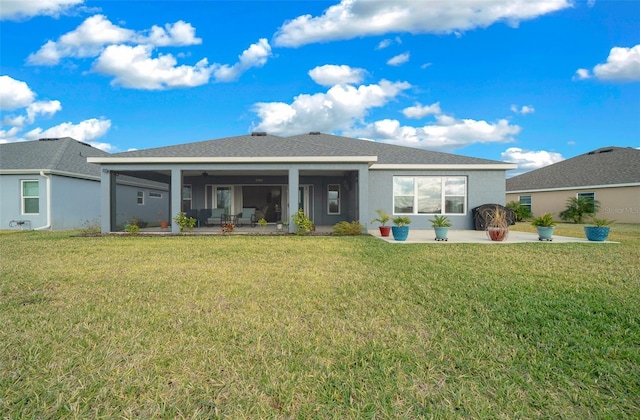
[
  {"x": 60, "y": 154},
  {"x": 605, "y": 166}
]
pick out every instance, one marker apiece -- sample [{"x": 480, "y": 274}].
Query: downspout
[{"x": 48, "y": 225}]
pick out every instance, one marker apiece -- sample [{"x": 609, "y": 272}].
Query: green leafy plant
[
  {"x": 303, "y": 223},
  {"x": 401, "y": 221},
  {"x": 262, "y": 222},
  {"x": 578, "y": 208},
  {"x": 440, "y": 221},
  {"x": 383, "y": 217},
  {"x": 185, "y": 222},
  {"x": 601, "y": 222},
  {"x": 521, "y": 212},
  {"x": 546, "y": 220},
  {"x": 345, "y": 228},
  {"x": 132, "y": 227}
]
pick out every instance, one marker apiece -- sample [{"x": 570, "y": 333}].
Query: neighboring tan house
[
  {"x": 330, "y": 178},
  {"x": 48, "y": 184},
  {"x": 610, "y": 175}
]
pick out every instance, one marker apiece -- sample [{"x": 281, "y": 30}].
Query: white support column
[
  {"x": 176, "y": 198},
  {"x": 294, "y": 184},
  {"x": 363, "y": 196},
  {"x": 107, "y": 189}
]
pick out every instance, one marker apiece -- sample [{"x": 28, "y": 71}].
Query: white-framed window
[
  {"x": 333, "y": 199},
  {"x": 140, "y": 198},
  {"x": 30, "y": 196},
  {"x": 525, "y": 201},
  {"x": 153, "y": 194},
  {"x": 429, "y": 194}
]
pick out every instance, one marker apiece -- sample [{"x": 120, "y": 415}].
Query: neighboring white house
[
  {"x": 48, "y": 184},
  {"x": 331, "y": 178},
  {"x": 610, "y": 175}
]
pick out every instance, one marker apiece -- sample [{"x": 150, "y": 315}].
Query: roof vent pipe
[
  {"x": 259, "y": 133},
  {"x": 314, "y": 133}
]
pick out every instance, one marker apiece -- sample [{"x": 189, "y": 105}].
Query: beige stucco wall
[{"x": 621, "y": 204}]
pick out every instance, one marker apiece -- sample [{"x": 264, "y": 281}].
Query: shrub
[
  {"x": 578, "y": 208},
  {"x": 302, "y": 221},
  {"x": 345, "y": 228},
  {"x": 519, "y": 210},
  {"x": 132, "y": 227},
  {"x": 185, "y": 222}
]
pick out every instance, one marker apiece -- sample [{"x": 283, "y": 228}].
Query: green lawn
[{"x": 324, "y": 327}]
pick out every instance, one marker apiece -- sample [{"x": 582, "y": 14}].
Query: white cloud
[
  {"x": 90, "y": 38},
  {"x": 524, "y": 110},
  {"x": 399, "y": 59},
  {"x": 254, "y": 56},
  {"x": 86, "y": 131},
  {"x": 24, "y": 9},
  {"x": 337, "y": 109},
  {"x": 178, "y": 34},
  {"x": 581, "y": 74},
  {"x": 356, "y": 18},
  {"x": 17, "y": 95},
  {"x": 623, "y": 65},
  {"x": 14, "y": 93},
  {"x": 448, "y": 133},
  {"x": 133, "y": 67},
  {"x": 330, "y": 75},
  {"x": 385, "y": 43},
  {"x": 46, "y": 108},
  {"x": 128, "y": 55},
  {"x": 529, "y": 160},
  {"x": 420, "y": 111}
]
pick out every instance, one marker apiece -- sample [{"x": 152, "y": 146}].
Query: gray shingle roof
[
  {"x": 605, "y": 166},
  {"x": 62, "y": 154},
  {"x": 305, "y": 145}
]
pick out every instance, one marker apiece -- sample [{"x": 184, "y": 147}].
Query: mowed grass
[{"x": 318, "y": 327}]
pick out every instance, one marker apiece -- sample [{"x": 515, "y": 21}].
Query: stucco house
[
  {"x": 48, "y": 184},
  {"x": 610, "y": 175},
  {"x": 331, "y": 178}
]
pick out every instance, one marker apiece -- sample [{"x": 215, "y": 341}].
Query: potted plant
[
  {"x": 545, "y": 226},
  {"x": 262, "y": 222},
  {"x": 401, "y": 229},
  {"x": 600, "y": 231},
  {"x": 441, "y": 225},
  {"x": 163, "y": 223},
  {"x": 497, "y": 223},
  {"x": 383, "y": 218}
]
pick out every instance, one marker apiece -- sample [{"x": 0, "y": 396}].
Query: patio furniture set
[{"x": 217, "y": 216}]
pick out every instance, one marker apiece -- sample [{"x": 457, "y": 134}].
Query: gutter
[{"x": 48, "y": 225}]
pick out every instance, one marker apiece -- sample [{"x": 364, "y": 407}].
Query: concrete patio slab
[{"x": 476, "y": 237}]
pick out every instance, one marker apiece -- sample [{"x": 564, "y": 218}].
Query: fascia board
[
  {"x": 442, "y": 166},
  {"x": 579, "y": 187},
  {"x": 234, "y": 159},
  {"x": 47, "y": 171}
]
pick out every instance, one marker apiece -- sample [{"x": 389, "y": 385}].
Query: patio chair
[
  {"x": 247, "y": 216},
  {"x": 217, "y": 216},
  {"x": 203, "y": 217}
]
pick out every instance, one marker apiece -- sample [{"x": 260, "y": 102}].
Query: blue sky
[{"x": 525, "y": 81}]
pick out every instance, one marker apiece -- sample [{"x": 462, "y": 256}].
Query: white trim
[
  {"x": 236, "y": 159},
  {"x": 23, "y": 197},
  {"x": 441, "y": 166},
  {"x": 586, "y": 187},
  {"x": 47, "y": 171}
]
